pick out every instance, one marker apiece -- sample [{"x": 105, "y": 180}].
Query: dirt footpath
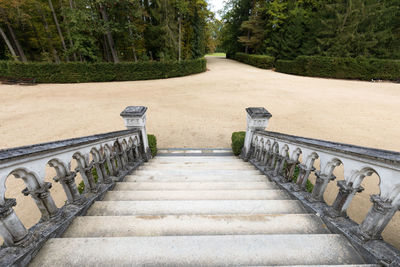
[{"x": 203, "y": 110}]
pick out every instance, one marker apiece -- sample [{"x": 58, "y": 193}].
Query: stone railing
[
  {"x": 101, "y": 160},
  {"x": 279, "y": 155}
]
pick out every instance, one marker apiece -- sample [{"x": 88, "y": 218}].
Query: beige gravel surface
[{"x": 202, "y": 111}]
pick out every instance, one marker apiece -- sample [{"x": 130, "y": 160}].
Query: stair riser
[
  {"x": 210, "y": 178},
  {"x": 205, "y": 207},
  {"x": 109, "y": 226},
  {"x": 131, "y": 186},
  {"x": 196, "y": 195}
]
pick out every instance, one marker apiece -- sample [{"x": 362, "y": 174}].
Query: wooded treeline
[
  {"x": 103, "y": 30},
  {"x": 286, "y": 29}
]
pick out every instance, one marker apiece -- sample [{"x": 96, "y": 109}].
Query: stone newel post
[
  {"x": 257, "y": 119},
  {"x": 135, "y": 118}
]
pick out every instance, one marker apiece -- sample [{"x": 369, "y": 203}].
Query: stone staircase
[{"x": 197, "y": 209}]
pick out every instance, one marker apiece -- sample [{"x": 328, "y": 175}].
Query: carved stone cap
[
  {"x": 134, "y": 111},
  {"x": 258, "y": 113}
]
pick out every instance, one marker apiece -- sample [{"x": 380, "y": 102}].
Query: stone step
[
  {"x": 116, "y": 226},
  {"x": 177, "y": 159},
  {"x": 130, "y": 186},
  {"x": 205, "y": 207},
  {"x": 176, "y": 172},
  {"x": 213, "y": 250},
  {"x": 197, "y": 195},
  {"x": 195, "y": 178},
  {"x": 195, "y": 166}
]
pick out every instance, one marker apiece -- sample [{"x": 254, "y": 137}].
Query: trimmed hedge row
[
  {"x": 237, "y": 142},
  {"x": 75, "y": 72},
  {"x": 260, "y": 61},
  {"x": 342, "y": 68}
]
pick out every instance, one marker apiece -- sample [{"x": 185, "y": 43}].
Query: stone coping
[
  {"x": 24, "y": 151},
  {"x": 386, "y": 156}
]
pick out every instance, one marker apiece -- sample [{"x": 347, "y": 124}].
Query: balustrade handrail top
[
  {"x": 386, "y": 156},
  {"x": 29, "y": 150}
]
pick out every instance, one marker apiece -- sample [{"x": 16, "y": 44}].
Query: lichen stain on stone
[{"x": 151, "y": 217}]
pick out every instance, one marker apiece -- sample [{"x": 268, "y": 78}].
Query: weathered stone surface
[
  {"x": 199, "y": 250},
  {"x": 197, "y": 195},
  {"x": 168, "y": 225},
  {"x": 131, "y": 186},
  {"x": 124, "y": 208}
]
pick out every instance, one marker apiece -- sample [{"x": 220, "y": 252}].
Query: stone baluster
[
  {"x": 304, "y": 172},
  {"x": 377, "y": 218},
  {"x": 67, "y": 180},
  {"x": 321, "y": 183},
  {"x": 344, "y": 197},
  {"x": 138, "y": 156},
  {"x": 86, "y": 173},
  {"x": 102, "y": 164},
  {"x": 117, "y": 155},
  {"x": 290, "y": 168},
  {"x": 272, "y": 162},
  {"x": 257, "y": 119},
  {"x": 280, "y": 161},
  {"x": 131, "y": 154},
  {"x": 111, "y": 163},
  {"x": 43, "y": 200},
  {"x": 11, "y": 228},
  {"x": 135, "y": 118}
]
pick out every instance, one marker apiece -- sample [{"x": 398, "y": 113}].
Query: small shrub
[
  {"x": 152, "y": 144},
  {"x": 75, "y": 72},
  {"x": 309, "y": 185},
  {"x": 260, "y": 61},
  {"x": 342, "y": 68},
  {"x": 81, "y": 186},
  {"x": 237, "y": 142}
]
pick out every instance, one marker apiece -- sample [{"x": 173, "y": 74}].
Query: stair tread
[
  {"x": 196, "y": 195},
  {"x": 199, "y": 250},
  {"x": 117, "y": 226},
  {"x": 149, "y": 207},
  {"x": 125, "y": 186}
]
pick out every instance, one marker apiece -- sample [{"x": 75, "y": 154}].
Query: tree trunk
[
  {"x": 21, "y": 53},
  {"x": 46, "y": 27},
  {"x": 180, "y": 39},
  {"x": 109, "y": 36},
  {"x": 8, "y": 44},
  {"x": 133, "y": 45},
  {"x": 58, "y": 28}
]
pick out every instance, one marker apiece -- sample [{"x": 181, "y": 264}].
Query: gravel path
[{"x": 203, "y": 110}]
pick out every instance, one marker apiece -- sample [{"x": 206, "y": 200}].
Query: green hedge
[
  {"x": 75, "y": 72},
  {"x": 237, "y": 142},
  {"x": 260, "y": 61},
  {"x": 342, "y": 68},
  {"x": 152, "y": 144}
]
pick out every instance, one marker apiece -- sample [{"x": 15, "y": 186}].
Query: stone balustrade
[
  {"x": 108, "y": 156},
  {"x": 279, "y": 155}
]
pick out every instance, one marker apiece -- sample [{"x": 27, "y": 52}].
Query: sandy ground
[{"x": 202, "y": 111}]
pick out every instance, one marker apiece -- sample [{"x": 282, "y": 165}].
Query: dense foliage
[
  {"x": 103, "y": 30},
  {"x": 237, "y": 142},
  {"x": 345, "y": 68},
  {"x": 73, "y": 72},
  {"x": 286, "y": 29},
  {"x": 260, "y": 61},
  {"x": 152, "y": 144}
]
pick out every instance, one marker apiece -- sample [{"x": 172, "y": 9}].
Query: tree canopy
[
  {"x": 286, "y": 29},
  {"x": 103, "y": 30}
]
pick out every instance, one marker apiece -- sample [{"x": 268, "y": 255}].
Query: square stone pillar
[
  {"x": 257, "y": 119},
  {"x": 135, "y": 118}
]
